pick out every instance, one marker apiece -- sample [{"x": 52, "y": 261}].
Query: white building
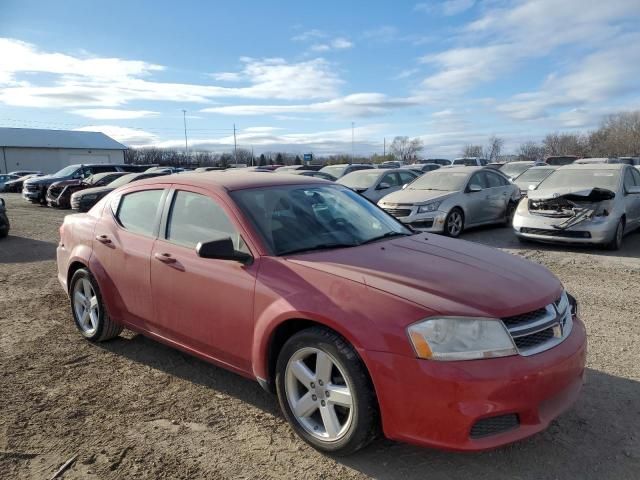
[{"x": 48, "y": 151}]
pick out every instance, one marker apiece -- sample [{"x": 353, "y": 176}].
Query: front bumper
[
  {"x": 436, "y": 404},
  {"x": 423, "y": 222},
  {"x": 539, "y": 227},
  {"x": 32, "y": 196}
]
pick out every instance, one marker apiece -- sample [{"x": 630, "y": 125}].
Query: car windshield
[
  {"x": 297, "y": 218},
  {"x": 468, "y": 162},
  {"x": 514, "y": 169},
  {"x": 444, "y": 180},
  {"x": 582, "y": 179},
  {"x": 361, "y": 179},
  {"x": 66, "y": 171},
  {"x": 535, "y": 175},
  {"x": 335, "y": 170}
]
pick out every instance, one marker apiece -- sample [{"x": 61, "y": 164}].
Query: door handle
[
  {"x": 164, "y": 257},
  {"x": 104, "y": 239}
]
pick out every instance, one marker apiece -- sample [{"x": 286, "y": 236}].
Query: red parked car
[{"x": 359, "y": 324}]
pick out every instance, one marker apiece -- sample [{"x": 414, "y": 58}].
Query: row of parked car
[{"x": 433, "y": 195}]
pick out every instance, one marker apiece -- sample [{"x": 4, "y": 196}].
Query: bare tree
[
  {"x": 566, "y": 144},
  {"x": 530, "y": 151},
  {"x": 405, "y": 148},
  {"x": 494, "y": 148},
  {"x": 472, "y": 151}
]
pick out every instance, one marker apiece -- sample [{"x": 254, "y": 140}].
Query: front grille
[
  {"x": 31, "y": 188},
  {"x": 541, "y": 329},
  {"x": 494, "y": 425},
  {"x": 398, "y": 212},
  {"x": 556, "y": 233},
  {"x": 525, "y": 317},
  {"x": 533, "y": 340}
]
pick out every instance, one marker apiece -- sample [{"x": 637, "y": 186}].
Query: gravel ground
[{"x": 132, "y": 408}]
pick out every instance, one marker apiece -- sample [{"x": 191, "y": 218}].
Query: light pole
[
  {"x": 186, "y": 146},
  {"x": 352, "y": 150}
]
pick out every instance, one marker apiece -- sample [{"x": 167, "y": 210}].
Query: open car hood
[{"x": 595, "y": 194}]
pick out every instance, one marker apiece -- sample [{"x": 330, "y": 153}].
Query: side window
[
  {"x": 629, "y": 180},
  {"x": 405, "y": 177},
  {"x": 493, "y": 180},
  {"x": 478, "y": 179},
  {"x": 102, "y": 168},
  {"x": 391, "y": 179},
  {"x": 137, "y": 211},
  {"x": 483, "y": 161},
  {"x": 636, "y": 176},
  {"x": 197, "y": 218}
]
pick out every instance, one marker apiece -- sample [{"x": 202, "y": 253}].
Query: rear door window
[
  {"x": 405, "y": 177},
  {"x": 138, "y": 211}
]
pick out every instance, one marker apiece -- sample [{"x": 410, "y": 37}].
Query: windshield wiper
[
  {"x": 323, "y": 246},
  {"x": 386, "y": 235}
]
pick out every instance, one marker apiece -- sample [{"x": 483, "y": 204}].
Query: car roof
[
  {"x": 230, "y": 180},
  {"x": 465, "y": 169},
  {"x": 593, "y": 166}
]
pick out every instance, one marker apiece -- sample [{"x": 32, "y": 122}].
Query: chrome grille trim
[{"x": 540, "y": 330}]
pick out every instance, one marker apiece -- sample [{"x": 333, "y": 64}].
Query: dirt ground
[{"x": 132, "y": 408}]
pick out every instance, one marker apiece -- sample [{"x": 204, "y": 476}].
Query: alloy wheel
[
  {"x": 319, "y": 394},
  {"x": 454, "y": 224},
  {"x": 86, "y": 306}
]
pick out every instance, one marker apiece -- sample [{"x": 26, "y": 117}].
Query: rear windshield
[
  {"x": 335, "y": 170},
  {"x": 583, "y": 179},
  {"x": 514, "y": 169},
  {"x": 359, "y": 179},
  {"x": 535, "y": 175}
]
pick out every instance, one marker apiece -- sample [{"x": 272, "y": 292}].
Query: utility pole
[
  {"x": 235, "y": 145},
  {"x": 384, "y": 147},
  {"x": 352, "y": 150},
  {"x": 186, "y": 146}
]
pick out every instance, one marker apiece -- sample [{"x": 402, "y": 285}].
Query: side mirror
[
  {"x": 1, "y": 202},
  {"x": 383, "y": 186},
  {"x": 404, "y": 186},
  {"x": 221, "y": 250},
  {"x": 633, "y": 190},
  {"x": 474, "y": 188}
]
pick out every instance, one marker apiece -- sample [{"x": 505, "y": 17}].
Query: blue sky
[{"x": 295, "y": 75}]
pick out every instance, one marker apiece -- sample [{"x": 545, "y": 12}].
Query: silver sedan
[
  {"x": 375, "y": 184},
  {"x": 593, "y": 203},
  {"x": 452, "y": 199}
]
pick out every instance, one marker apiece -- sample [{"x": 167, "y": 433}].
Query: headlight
[
  {"x": 429, "y": 207},
  {"x": 460, "y": 338}
]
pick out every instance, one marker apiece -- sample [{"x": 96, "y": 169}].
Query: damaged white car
[{"x": 592, "y": 204}]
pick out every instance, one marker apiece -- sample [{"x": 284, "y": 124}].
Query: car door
[
  {"x": 205, "y": 305},
  {"x": 498, "y": 195},
  {"x": 475, "y": 204},
  {"x": 124, "y": 238},
  {"x": 632, "y": 200}
]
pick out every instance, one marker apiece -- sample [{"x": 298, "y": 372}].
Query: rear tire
[
  {"x": 509, "y": 213},
  {"x": 88, "y": 309},
  {"x": 616, "y": 242},
  {"x": 316, "y": 361},
  {"x": 5, "y": 226}
]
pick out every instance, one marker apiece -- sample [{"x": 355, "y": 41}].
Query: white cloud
[
  {"x": 447, "y": 7},
  {"x": 57, "y": 80},
  {"x": 113, "y": 114},
  {"x": 335, "y": 44},
  {"x": 313, "y": 34},
  {"x": 128, "y": 136},
  {"x": 503, "y": 38},
  {"x": 384, "y": 33},
  {"x": 227, "y": 76},
  {"x": 359, "y": 104}
]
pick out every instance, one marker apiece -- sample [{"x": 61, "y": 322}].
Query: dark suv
[
  {"x": 35, "y": 189},
  {"x": 59, "y": 193},
  {"x": 4, "y": 220}
]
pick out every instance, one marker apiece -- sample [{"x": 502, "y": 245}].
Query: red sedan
[{"x": 359, "y": 324}]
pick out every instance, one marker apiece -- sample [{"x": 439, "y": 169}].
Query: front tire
[
  {"x": 88, "y": 309},
  {"x": 454, "y": 223},
  {"x": 616, "y": 242},
  {"x": 325, "y": 392}
]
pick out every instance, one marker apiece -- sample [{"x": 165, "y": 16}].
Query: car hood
[
  {"x": 451, "y": 277},
  {"x": 413, "y": 197},
  {"x": 592, "y": 194},
  {"x": 47, "y": 179},
  {"x": 65, "y": 183},
  {"x": 95, "y": 191}
]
